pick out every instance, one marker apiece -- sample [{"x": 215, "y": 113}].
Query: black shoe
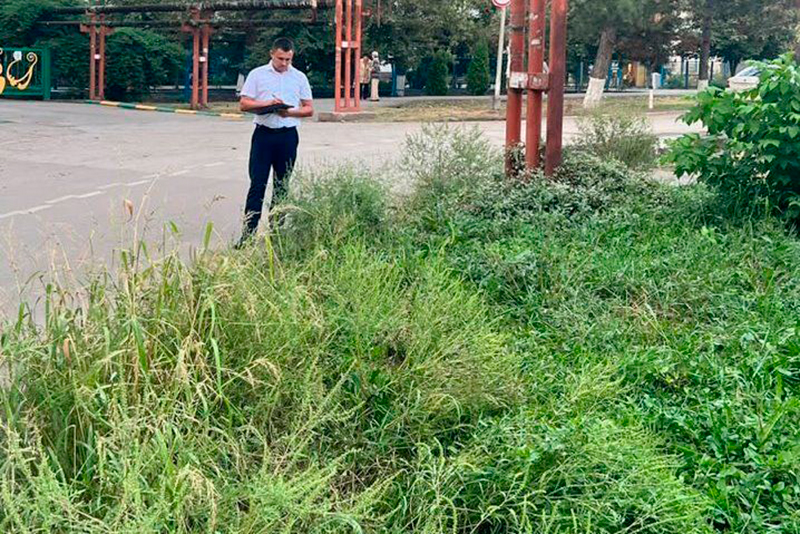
[{"x": 244, "y": 241}]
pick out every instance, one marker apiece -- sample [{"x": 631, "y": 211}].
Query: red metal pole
[
  {"x": 204, "y": 78},
  {"x": 101, "y": 67},
  {"x": 337, "y": 91},
  {"x": 357, "y": 54},
  {"x": 92, "y": 58},
  {"x": 348, "y": 53},
  {"x": 558, "y": 72},
  {"x": 514, "y": 107},
  {"x": 533, "y": 133},
  {"x": 195, "y": 67}
]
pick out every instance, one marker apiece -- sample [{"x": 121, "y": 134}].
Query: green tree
[
  {"x": 478, "y": 75},
  {"x": 315, "y": 54},
  {"x": 70, "y": 59},
  {"x": 139, "y": 60},
  {"x": 741, "y": 29},
  {"x": 436, "y": 84},
  {"x": 408, "y": 30},
  {"x": 603, "y": 22}
]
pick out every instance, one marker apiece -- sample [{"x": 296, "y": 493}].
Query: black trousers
[{"x": 270, "y": 149}]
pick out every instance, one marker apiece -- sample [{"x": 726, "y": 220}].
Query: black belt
[{"x": 275, "y": 130}]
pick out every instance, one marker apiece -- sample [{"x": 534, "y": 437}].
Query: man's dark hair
[{"x": 283, "y": 43}]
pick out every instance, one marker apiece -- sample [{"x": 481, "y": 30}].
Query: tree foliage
[
  {"x": 408, "y": 30},
  {"x": 741, "y": 29},
  {"x": 752, "y": 151},
  {"x": 478, "y": 75},
  {"x": 436, "y": 84},
  {"x": 139, "y": 60}
]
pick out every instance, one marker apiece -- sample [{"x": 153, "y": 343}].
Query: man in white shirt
[{"x": 275, "y": 139}]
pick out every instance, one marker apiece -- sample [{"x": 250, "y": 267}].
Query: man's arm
[
  {"x": 306, "y": 109},
  {"x": 249, "y": 104}
]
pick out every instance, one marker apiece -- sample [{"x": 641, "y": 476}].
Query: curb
[{"x": 163, "y": 109}]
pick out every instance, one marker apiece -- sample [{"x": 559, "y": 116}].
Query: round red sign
[{"x": 501, "y": 3}]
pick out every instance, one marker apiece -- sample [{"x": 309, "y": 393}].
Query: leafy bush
[
  {"x": 478, "y": 75},
  {"x": 69, "y": 58},
  {"x": 436, "y": 83},
  {"x": 752, "y": 150},
  {"x": 676, "y": 81},
  {"x": 18, "y": 19},
  {"x": 139, "y": 60},
  {"x": 624, "y": 137}
]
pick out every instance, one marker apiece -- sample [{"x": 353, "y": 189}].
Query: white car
[{"x": 747, "y": 79}]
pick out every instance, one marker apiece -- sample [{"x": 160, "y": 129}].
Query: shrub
[
  {"x": 436, "y": 84},
  {"x": 69, "y": 53},
  {"x": 752, "y": 150},
  {"x": 478, "y": 75},
  {"x": 676, "y": 81},
  {"x": 625, "y": 137},
  {"x": 139, "y": 60}
]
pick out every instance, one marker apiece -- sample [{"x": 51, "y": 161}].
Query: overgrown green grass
[{"x": 593, "y": 354}]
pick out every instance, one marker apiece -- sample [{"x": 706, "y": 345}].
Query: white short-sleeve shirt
[{"x": 265, "y": 83}]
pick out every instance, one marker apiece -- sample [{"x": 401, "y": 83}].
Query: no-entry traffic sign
[{"x": 501, "y": 3}]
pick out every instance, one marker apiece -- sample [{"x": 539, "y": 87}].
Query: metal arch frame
[
  {"x": 347, "y": 96},
  {"x": 200, "y": 27},
  {"x": 98, "y": 31},
  {"x": 536, "y": 82}
]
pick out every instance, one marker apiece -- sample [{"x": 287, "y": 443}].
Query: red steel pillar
[
  {"x": 357, "y": 54},
  {"x": 338, "y": 74},
  {"x": 537, "y": 82},
  {"x": 558, "y": 73},
  {"x": 97, "y": 31},
  {"x": 102, "y": 31},
  {"x": 195, "y": 69},
  {"x": 91, "y": 29},
  {"x": 348, "y": 48},
  {"x": 194, "y": 29},
  {"x": 516, "y": 82},
  {"x": 205, "y": 32},
  {"x": 348, "y": 54}
]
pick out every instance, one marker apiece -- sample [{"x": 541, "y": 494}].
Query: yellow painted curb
[
  {"x": 109, "y": 103},
  {"x": 186, "y": 111},
  {"x": 145, "y": 108},
  {"x": 232, "y": 115}
]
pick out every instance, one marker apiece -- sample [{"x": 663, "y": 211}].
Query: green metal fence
[{"x": 25, "y": 72}]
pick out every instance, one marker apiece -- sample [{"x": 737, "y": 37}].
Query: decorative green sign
[{"x": 25, "y": 72}]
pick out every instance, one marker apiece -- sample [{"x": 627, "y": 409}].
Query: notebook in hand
[{"x": 266, "y": 110}]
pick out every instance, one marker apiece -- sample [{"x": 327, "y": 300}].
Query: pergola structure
[{"x": 200, "y": 23}]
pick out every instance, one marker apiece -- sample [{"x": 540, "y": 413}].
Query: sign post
[{"x": 498, "y": 79}]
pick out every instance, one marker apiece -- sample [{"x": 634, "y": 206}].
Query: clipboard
[{"x": 266, "y": 110}]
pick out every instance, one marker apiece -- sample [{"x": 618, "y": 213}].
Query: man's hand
[
  {"x": 306, "y": 109},
  {"x": 249, "y": 104}
]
